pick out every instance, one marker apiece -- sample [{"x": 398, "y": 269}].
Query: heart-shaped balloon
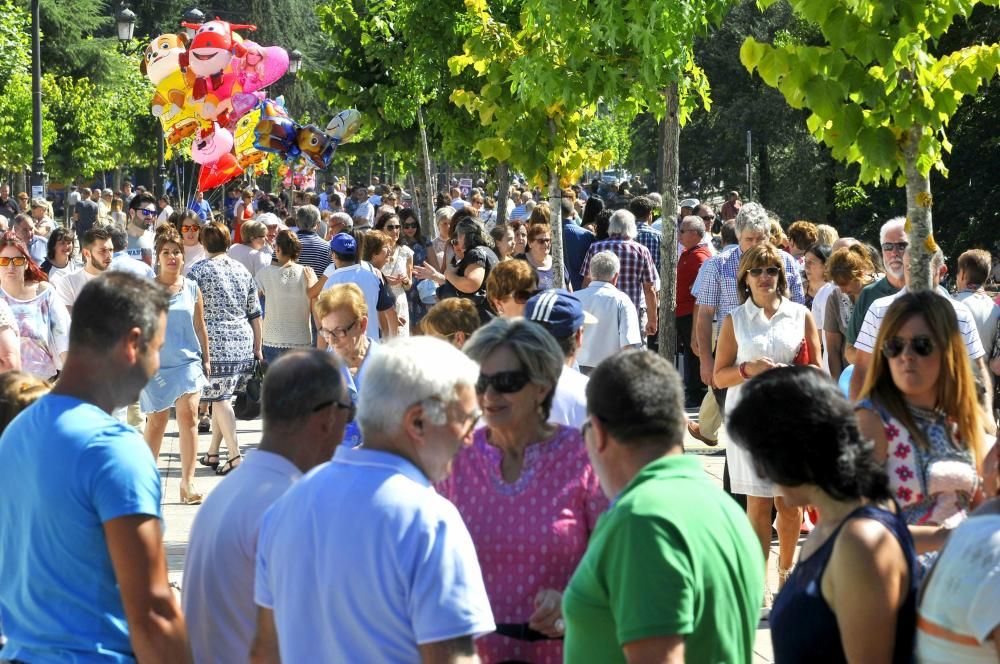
[
  {"x": 219, "y": 172},
  {"x": 244, "y": 102}
]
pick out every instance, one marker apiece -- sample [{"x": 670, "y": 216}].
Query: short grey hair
[
  {"x": 307, "y": 217},
  {"x": 896, "y": 223},
  {"x": 622, "y": 223},
  {"x": 693, "y": 221},
  {"x": 656, "y": 199},
  {"x": 251, "y": 230},
  {"x": 343, "y": 218},
  {"x": 536, "y": 350},
  {"x": 604, "y": 266},
  {"x": 753, "y": 217},
  {"x": 408, "y": 371},
  {"x": 446, "y": 212}
]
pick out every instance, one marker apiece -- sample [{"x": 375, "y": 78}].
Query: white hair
[
  {"x": 622, "y": 223},
  {"x": 343, "y": 218},
  {"x": 656, "y": 199},
  {"x": 694, "y": 222},
  {"x": 753, "y": 217},
  {"x": 409, "y": 371},
  {"x": 446, "y": 212},
  {"x": 896, "y": 223},
  {"x": 604, "y": 266}
]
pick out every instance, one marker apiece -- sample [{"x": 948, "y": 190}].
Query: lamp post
[
  {"x": 38, "y": 176},
  {"x": 193, "y": 16},
  {"x": 294, "y": 62}
]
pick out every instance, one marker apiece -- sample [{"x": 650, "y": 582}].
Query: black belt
[{"x": 522, "y": 632}]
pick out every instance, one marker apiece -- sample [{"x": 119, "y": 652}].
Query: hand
[
  {"x": 651, "y": 328},
  {"x": 547, "y": 617},
  {"x": 401, "y": 321},
  {"x": 206, "y": 366},
  {"x": 694, "y": 346},
  {"x": 758, "y": 367},
  {"x": 425, "y": 271},
  {"x": 258, "y": 354},
  {"x": 707, "y": 371}
]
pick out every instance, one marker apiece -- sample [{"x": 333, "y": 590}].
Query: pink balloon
[
  {"x": 261, "y": 66},
  {"x": 211, "y": 144},
  {"x": 244, "y": 102}
]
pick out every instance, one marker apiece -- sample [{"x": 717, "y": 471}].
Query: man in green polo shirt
[
  {"x": 673, "y": 570},
  {"x": 893, "y": 241}
]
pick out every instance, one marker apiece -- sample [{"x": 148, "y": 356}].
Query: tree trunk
[
  {"x": 764, "y": 181},
  {"x": 347, "y": 177},
  {"x": 503, "y": 178},
  {"x": 918, "y": 215},
  {"x": 555, "y": 220},
  {"x": 668, "y": 246},
  {"x": 427, "y": 225}
]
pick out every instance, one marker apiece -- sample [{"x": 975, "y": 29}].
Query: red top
[{"x": 687, "y": 270}]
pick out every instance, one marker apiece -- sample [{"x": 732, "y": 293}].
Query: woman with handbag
[
  {"x": 767, "y": 330},
  {"x": 184, "y": 361}
]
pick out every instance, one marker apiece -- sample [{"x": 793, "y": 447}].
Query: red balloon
[{"x": 220, "y": 172}]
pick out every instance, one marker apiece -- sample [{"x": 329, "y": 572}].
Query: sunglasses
[
  {"x": 771, "y": 271},
  {"x": 504, "y": 382},
  {"x": 18, "y": 261},
  {"x": 921, "y": 345},
  {"x": 190, "y": 229},
  {"x": 543, "y": 240},
  {"x": 454, "y": 242},
  {"x": 349, "y": 407},
  {"x": 147, "y": 213},
  {"x": 411, "y": 225},
  {"x": 392, "y": 227},
  {"x": 899, "y": 247}
]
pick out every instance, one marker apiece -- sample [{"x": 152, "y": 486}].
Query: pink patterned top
[{"x": 529, "y": 535}]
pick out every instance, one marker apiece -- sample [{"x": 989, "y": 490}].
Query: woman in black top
[
  {"x": 467, "y": 278},
  {"x": 852, "y": 596}
]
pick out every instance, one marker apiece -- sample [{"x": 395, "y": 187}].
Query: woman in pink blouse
[{"x": 526, "y": 491}]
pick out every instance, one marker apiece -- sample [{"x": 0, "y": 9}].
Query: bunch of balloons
[{"x": 211, "y": 89}]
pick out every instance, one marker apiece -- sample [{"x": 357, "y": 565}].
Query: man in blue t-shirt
[{"x": 83, "y": 576}]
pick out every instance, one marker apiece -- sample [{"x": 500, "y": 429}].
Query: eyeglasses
[
  {"x": 338, "y": 332},
  {"x": 708, "y": 217},
  {"x": 147, "y": 213},
  {"x": 771, "y": 271},
  {"x": 899, "y": 247},
  {"x": 504, "y": 382},
  {"x": 17, "y": 261},
  {"x": 921, "y": 345},
  {"x": 690, "y": 230},
  {"x": 543, "y": 240},
  {"x": 411, "y": 225},
  {"x": 454, "y": 242},
  {"x": 392, "y": 227},
  {"x": 349, "y": 407},
  {"x": 190, "y": 229}
]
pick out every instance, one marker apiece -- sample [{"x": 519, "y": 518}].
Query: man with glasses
[
  {"x": 305, "y": 409},
  {"x": 392, "y": 574},
  {"x": 894, "y": 242},
  {"x": 141, "y": 215}
]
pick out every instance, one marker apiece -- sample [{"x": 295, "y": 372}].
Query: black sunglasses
[
  {"x": 504, "y": 382},
  {"x": 897, "y": 246},
  {"x": 349, "y": 407},
  {"x": 921, "y": 345},
  {"x": 771, "y": 271},
  {"x": 411, "y": 224}
]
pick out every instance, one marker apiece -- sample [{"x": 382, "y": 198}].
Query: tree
[{"x": 878, "y": 94}]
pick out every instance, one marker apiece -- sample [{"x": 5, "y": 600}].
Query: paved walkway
[{"x": 178, "y": 518}]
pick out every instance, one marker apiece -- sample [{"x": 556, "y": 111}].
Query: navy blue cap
[
  {"x": 344, "y": 244},
  {"x": 560, "y": 311}
]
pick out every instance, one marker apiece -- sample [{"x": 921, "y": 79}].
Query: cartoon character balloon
[
  {"x": 209, "y": 57},
  {"x": 161, "y": 65},
  {"x": 315, "y": 146},
  {"x": 210, "y": 144},
  {"x": 344, "y": 125},
  {"x": 247, "y": 154}
]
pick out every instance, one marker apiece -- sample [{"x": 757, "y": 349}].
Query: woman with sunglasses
[
  {"x": 189, "y": 226},
  {"x": 398, "y": 268},
  {"x": 539, "y": 255},
  {"x": 474, "y": 250},
  {"x": 414, "y": 240},
  {"x": 525, "y": 489},
  {"x": 59, "y": 255},
  {"x": 767, "y": 330},
  {"x": 184, "y": 362},
  {"x": 919, "y": 406},
  {"x": 343, "y": 320},
  {"x": 42, "y": 318}
]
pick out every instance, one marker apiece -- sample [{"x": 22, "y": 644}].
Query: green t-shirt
[
  {"x": 868, "y": 294},
  {"x": 673, "y": 556}
]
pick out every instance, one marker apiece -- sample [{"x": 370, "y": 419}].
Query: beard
[{"x": 97, "y": 265}]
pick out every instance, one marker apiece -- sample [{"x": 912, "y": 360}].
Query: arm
[
  {"x": 862, "y": 361},
  {"x": 727, "y": 372},
  {"x": 470, "y": 283},
  {"x": 652, "y": 311},
  {"x": 265, "y": 641},
  {"x": 156, "y": 625},
  {"x": 703, "y": 330},
  {"x": 850, "y": 353},
  {"x": 657, "y": 650},
  {"x": 201, "y": 330},
  {"x": 693, "y": 341},
  {"x": 871, "y": 427},
  {"x": 812, "y": 341},
  {"x": 258, "y": 339},
  {"x": 835, "y": 353},
  {"x": 10, "y": 350},
  {"x": 982, "y": 374},
  {"x": 452, "y": 651}
]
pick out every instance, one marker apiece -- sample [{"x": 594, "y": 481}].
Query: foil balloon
[
  {"x": 211, "y": 144},
  {"x": 261, "y": 66},
  {"x": 247, "y": 154},
  {"x": 219, "y": 173},
  {"x": 276, "y": 132},
  {"x": 344, "y": 125},
  {"x": 315, "y": 146},
  {"x": 245, "y": 102},
  {"x": 161, "y": 65},
  {"x": 209, "y": 56}
]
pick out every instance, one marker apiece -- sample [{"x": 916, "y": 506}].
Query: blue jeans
[{"x": 272, "y": 353}]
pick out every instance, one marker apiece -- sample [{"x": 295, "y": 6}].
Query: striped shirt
[
  {"x": 315, "y": 251},
  {"x": 637, "y": 267},
  {"x": 873, "y": 321}
]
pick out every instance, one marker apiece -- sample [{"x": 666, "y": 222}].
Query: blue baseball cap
[
  {"x": 559, "y": 311},
  {"x": 344, "y": 244}
]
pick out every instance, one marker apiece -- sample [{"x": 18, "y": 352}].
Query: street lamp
[
  {"x": 193, "y": 16},
  {"x": 294, "y": 62},
  {"x": 38, "y": 162}
]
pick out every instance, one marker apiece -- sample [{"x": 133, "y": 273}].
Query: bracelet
[{"x": 743, "y": 371}]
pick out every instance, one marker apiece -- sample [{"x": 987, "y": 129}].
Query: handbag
[
  {"x": 802, "y": 356},
  {"x": 247, "y": 405}
]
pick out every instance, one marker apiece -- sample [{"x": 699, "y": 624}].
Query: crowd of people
[{"x": 460, "y": 461}]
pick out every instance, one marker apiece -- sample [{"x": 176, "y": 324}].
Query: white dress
[
  {"x": 779, "y": 339},
  {"x": 395, "y": 266}
]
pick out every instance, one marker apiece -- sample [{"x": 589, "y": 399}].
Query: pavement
[{"x": 178, "y": 518}]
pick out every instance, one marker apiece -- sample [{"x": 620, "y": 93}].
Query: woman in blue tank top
[{"x": 852, "y": 595}]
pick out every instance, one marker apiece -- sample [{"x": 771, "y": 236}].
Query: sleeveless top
[
  {"x": 804, "y": 628},
  {"x": 933, "y": 486}
]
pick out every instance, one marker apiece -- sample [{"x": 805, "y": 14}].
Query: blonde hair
[
  {"x": 827, "y": 234},
  {"x": 847, "y": 264},
  {"x": 450, "y": 316},
  {"x": 956, "y": 396},
  {"x": 342, "y": 296},
  {"x": 18, "y": 390}
]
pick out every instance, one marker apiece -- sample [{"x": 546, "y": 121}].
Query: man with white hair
[
  {"x": 315, "y": 251},
  {"x": 617, "y": 325},
  {"x": 638, "y": 277},
  {"x": 339, "y": 222},
  {"x": 894, "y": 241},
  {"x": 392, "y": 574}
]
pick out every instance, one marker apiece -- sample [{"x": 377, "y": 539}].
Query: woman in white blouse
[{"x": 288, "y": 306}]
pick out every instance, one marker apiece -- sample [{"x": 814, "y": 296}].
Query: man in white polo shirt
[
  {"x": 362, "y": 561},
  {"x": 617, "y": 325},
  {"x": 345, "y": 268}
]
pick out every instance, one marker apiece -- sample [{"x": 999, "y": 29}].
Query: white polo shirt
[
  {"x": 219, "y": 568},
  {"x": 876, "y": 312},
  {"x": 617, "y": 323},
  {"x": 569, "y": 404},
  {"x": 363, "y": 561},
  {"x": 361, "y": 275}
]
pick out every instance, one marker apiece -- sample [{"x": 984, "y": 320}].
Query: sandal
[
  {"x": 206, "y": 460},
  {"x": 204, "y": 424},
  {"x": 229, "y": 466},
  {"x": 189, "y": 495}
]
